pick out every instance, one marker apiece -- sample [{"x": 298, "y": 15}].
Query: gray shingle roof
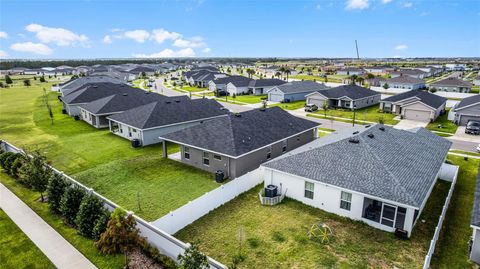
[
  {"x": 269, "y": 82},
  {"x": 236, "y": 135},
  {"x": 235, "y": 80},
  {"x": 351, "y": 91},
  {"x": 476, "y": 204},
  {"x": 451, "y": 81},
  {"x": 170, "y": 111},
  {"x": 468, "y": 101},
  {"x": 427, "y": 98},
  {"x": 410, "y": 72},
  {"x": 93, "y": 91},
  {"x": 406, "y": 80},
  {"x": 397, "y": 165},
  {"x": 302, "y": 86},
  {"x": 80, "y": 82}
]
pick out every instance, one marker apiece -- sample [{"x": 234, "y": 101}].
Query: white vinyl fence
[
  {"x": 448, "y": 172},
  {"x": 166, "y": 243},
  {"x": 185, "y": 215}
]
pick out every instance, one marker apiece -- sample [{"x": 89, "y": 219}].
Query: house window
[
  {"x": 284, "y": 146},
  {"x": 120, "y": 128},
  {"x": 186, "y": 153},
  {"x": 217, "y": 157},
  {"x": 388, "y": 215},
  {"x": 346, "y": 200},
  {"x": 269, "y": 153},
  {"x": 206, "y": 158},
  {"x": 309, "y": 186}
]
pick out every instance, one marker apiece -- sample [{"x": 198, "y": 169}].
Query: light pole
[{"x": 353, "y": 108}]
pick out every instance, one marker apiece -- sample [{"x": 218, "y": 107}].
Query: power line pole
[{"x": 356, "y": 46}]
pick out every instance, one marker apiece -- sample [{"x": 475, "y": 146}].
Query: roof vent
[
  {"x": 168, "y": 102},
  {"x": 382, "y": 129},
  {"x": 147, "y": 92},
  {"x": 353, "y": 140},
  {"x": 371, "y": 135},
  {"x": 237, "y": 115},
  {"x": 367, "y": 126},
  {"x": 177, "y": 101},
  {"x": 356, "y": 132},
  {"x": 95, "y": 86},
  {"x": 125, "y": 94}
]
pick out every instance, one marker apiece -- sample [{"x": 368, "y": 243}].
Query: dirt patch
[{"x": 138, "y": 260}]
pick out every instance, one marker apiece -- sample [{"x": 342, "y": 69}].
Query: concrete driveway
[
  {"x": 461, "y": 135},
  {"x": 410, "y": 124}
]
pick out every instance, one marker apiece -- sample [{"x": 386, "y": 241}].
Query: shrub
[
  {"x": 3, "y": 158},
  {"x": 153, "y": 253},
  {"x": 70, "y": 203},
  {"x": 55, "y": 190},
  {"x": 101, "y": 224},
  {"x": 42, "y": 79},
  {"x": 35, "y": 174},
  {"x": 8, "y": 80},
  {"x": 90, "y": 210},
  {"x": 16, "y": 165},
  {"x": 192, "y": 258},
  {"x": 278, "y": 236},
  {"x": 253, "y": 242}
]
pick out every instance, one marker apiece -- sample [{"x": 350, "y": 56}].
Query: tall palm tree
[
  {"x": 278, "y": 74},
  {"x": 353, "y": 78},
  {"x": 250, "y": 72},
  {"x": 288, "y": 72},
  {"x": 360, "y": 80},
  {"x": 282, "y": 69}
]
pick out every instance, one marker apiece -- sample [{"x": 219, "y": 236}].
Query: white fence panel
[
  {"x": 448, "y": 172},
  {"x": 166, "y": 243},
  {"x": 187, "y": 214}
]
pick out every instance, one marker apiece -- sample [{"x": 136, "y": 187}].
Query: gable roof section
[
  {"x": 93, "y": 91},
  {"x": 406, "y": 80},
  {"x": 351, "y": 91},
  {"x": 80, "y": 82},
  {"x": 172, "y": 110},
  {"x": 395, "y": 165},
  {"x": 301, "y": 86},
  {"x": 268, "y": 82},
  {"x": 451, "y": 81},
  {"x": 427, "y": 98},
  {"x": 232, "y": 79},
  {"x": 467, "y": 102},
  {"x": 238, "y": 134}
]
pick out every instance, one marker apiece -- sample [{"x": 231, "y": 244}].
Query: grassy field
[
  {"x": 82, "y": 244},
  {"x": 193, "y": 89},
  {"x": 291, "y": 105},
  {"x": 98, "y": 158},
  {"x": 16, "y": 248},
  {"x": 249, "y": 99},
  {"x": 366, "y": 114},
  {"x": 446, "y": 125},
  {"x": 276, "y": 237},
  {"x": 452, "y": 247}
]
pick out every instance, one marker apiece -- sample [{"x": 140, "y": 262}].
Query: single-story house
[
  {"x": 456, "y": 66},
  {"x": 476, "y": 81},
  {"x": 475, "y": 224},
  {"x": 346, "y": 96},
  {"x": 294, "y": 91},
  {"x": 202, "y": 77},
  {"x": 451, "y": 84},
  {"x": 415, "y": 105},
  {"x": 350, "y": 71},
  {"x": 414, "y": 73},
  {"x": 379, "y": 70},
  {"x": 262, "y": 86},
  {"x": 220, "y": 84},
  {"x": 139, "y": 70},
  {"x": 376, "y": 174},
  {"x": 465, "y": 110},
  {"x": 404, "y": 82},
  {"x": 80, "y": 82},
  {"x": 90, "y": 92},
  {"x": 147, "y": 122},
  {"x": 238, "y": 86},
  {"x": 240, "y": 142}
]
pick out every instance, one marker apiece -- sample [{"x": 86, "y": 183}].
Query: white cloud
[
  {"x": 386, "y": 1},
  {"x": 357, "y": 4},
  {"x": 193, "y": 42},
  {"x": 3, "y": 54},
  {"x": 58, "y": 36},
  {"x": 407, "y": 5},
  {"x": 160, "y": 35},
  {"x": 30, "y": 47},
  {"x": 3, "y": 35},
  {"x": 138, "y": 35},
  {"x": 401, "y": 47},
  {"x": 206, "y": 50},
  {"x": 107, "y": 39},
  {"x": 168, "y": 53}
]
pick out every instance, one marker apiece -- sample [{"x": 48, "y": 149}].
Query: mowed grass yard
[
  {"x": 276, "y": 237},
  {"x": 137, "y": 179},
  {"x": 447, "y": 126},
  {"x": 291, "y": 106},
  {"x": 249, "y": 99},
  {"x": 371, "y": 114},
  {"x": 17, "y": 249}
]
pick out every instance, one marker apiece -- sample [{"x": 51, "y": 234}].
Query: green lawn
[
  {"x": 291, "y": 105},
  {"x": 446, "y": 125},
  {"x": 193, "y": 89},
  {"x": 321, "y": 116},
  {"x": 16, "y": 249},
  {"x": 98, "y": 158},
  {"x": 250, "y": 99},
  {"x": 82, "y": 244},
  {"x": 452, "y": 247},
  {"x": 366, "y": 114},
  {"x": 276, "y": 237},
  {"x": 465, "y": 152},
  {"x": 308, "y": 77}
]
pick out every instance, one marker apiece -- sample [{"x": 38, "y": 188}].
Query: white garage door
[
  {"x": 419, "y": 115},
  {"x": 275, "y": 97},
  {"x": 314, "y": 101}
]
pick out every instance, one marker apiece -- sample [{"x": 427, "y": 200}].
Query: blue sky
[{"x": 228, "y": 28}]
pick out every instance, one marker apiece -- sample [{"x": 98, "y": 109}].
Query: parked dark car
[
  {"x": 473, "y": 127},
  {"x": 310, "y": 108}
]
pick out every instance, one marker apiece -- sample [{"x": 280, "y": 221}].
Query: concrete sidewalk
[{"x": 52, "y": 244}]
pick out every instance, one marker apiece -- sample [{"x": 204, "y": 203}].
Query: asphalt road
[{"x": 464, "y": 145}]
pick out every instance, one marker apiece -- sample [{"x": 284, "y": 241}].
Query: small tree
[
  {"x": 386, "y": 86},
  {"x": 26, "y": 82},
  {"x": 55, "y": 190},
  {"x": 35, "y": 173},
  {"x": 192, "y": 258},
  {"x": 325, "y": 108},
  {"x": 90, "y": 210},
  {"x": 42, "y": 79},
  {"x": 8, "y": 79},
  {"x": 70, "y": 203},
  {"x": 101, "y": 224},
  {"x": 47, "y": 105}
]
